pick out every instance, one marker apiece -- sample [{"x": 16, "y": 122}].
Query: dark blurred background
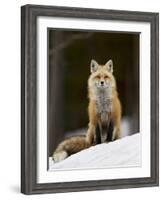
[{"x": 70, "y": 53}]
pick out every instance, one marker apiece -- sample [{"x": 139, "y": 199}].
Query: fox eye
[
  {"x": 105, "y": 77},
  {"x": 98, "y": 77}
]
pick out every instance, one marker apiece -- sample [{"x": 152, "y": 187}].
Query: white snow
[{"x": 125, "y": 152}]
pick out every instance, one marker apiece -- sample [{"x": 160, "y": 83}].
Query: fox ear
[
  {"x": 93, "y": 66},
  {"x": 109, "y": 66}
]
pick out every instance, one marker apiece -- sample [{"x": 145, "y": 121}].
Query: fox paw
[{"x": 59, "y": 156}]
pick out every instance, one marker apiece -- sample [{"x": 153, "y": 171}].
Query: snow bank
[{"x": 125, "y": 152}]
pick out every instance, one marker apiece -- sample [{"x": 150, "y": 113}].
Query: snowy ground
[{"x": 125, "y": 152}]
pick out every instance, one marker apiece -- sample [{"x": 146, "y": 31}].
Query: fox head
[{"x": 101, "y": 76}]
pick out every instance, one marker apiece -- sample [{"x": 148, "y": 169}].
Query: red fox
[{"x": 104, "y": 112}]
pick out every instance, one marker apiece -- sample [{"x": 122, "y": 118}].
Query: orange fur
[
  {"x": 104, "y": 107},
  {"x": 114, "y": 115}
]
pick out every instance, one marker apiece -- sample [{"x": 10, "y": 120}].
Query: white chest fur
[{"x": 103, "y": 103}]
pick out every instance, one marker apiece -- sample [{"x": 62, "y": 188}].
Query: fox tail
[{"x": 70, "y": 146}]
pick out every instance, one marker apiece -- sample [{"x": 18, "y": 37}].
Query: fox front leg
[
  {"x": 97, "y": 138},
  {"x": 110, "y": 132}
]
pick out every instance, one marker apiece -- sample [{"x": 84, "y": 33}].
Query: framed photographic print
[{"x": 89, "y": 99}]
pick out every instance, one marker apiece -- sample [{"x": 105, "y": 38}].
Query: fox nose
[{"x": 102, "y": 82}]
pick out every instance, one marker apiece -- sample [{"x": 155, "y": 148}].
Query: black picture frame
[{"x": 29, "y": 15}]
